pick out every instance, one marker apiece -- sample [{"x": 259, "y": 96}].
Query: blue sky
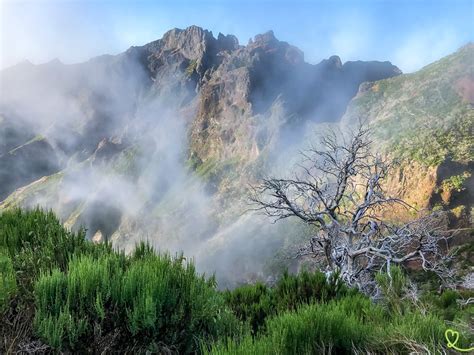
[{"x": 410, "y": 33}]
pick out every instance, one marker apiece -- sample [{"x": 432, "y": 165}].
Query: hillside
[{"x": 426, "y": 121}]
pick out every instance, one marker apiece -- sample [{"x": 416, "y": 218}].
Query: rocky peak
[
  {"x": 184, "y": 58},
  {"x": 266, "y": 39},
  {"x": 227, "y": 43},
  {"x": 334, "y": 62},
  {"x": 268, "y": 44},
  {"x": 190, "y": 42}
]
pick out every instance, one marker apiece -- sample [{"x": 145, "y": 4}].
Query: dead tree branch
[{"x": 338, "y": 187}]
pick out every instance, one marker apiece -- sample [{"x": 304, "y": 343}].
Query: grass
[
  {"x": 37, "y": 138},
  {"x": 127, "y": 162},
  {"x": 343, "y": 326},
  {"x": 455, "y": 182},
  {"x": 191, "y": 68},
  {"x": 8, "y": 285}
]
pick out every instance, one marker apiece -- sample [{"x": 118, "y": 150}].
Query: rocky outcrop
[
  {"x": 251, "y": 80},
  {"x": 193, "y": 52}
]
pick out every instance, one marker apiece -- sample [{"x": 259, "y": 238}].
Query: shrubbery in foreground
[
  {"x": 154, "y": 298},
  {"x": 85, "y": 293},
  {"x": 59, "y": 291},
  {"x": 340, "y": 326}
]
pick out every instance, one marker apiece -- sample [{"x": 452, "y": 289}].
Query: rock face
[
  {"x": 252, "y": 79},
  {"x": 162, "y": 139}
]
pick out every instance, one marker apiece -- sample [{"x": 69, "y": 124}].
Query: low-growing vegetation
[
  {"x": 62, "y": 293},
  {"x": 455, "y": 182}
]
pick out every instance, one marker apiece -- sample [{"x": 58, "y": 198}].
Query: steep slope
[
  {"x": 426, "y": 120},
  {"x": 266, "y": 76}
]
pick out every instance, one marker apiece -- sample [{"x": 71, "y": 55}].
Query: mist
[
  {"x": 161, "y": 142},
  {"x": 118, "y": 148}
]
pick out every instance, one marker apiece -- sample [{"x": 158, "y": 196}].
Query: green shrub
[
  {"x": 455, "y": 182},
  {"x": 351, "y": 324},
  {"x": 69, "y": 304},
  {"x": 342, "y": 326},
  {"x": 86, "y": 295},
  {"x": 447, "y": 302},
  {"x": 393, "y": 287},
  {"x": 153, "y": 299},
  {"x": 423, "y": 333},
  {"x": 83, "y": 290},
  {"x": 191, "y": 68},
  {"x": 61, "y": 329},
  {"x": 293, "y": 290},
  {"x": 314, "y": 327},
  {"x": 251, "y": 304},
  {"x": 36, "y": 241},
  {"x": 255, "y": 303},
  {"x": 446, "y": 305},
  {"x": 7, "y": 280}
]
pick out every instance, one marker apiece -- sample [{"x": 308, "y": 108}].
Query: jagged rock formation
[
  {"x": 218, "y": 86},
  {"x": 252, "y": 79}
]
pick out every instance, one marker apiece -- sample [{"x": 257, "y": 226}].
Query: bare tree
[{"x": 338, "y": 189}]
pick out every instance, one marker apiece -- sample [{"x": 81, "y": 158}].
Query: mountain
[
  {"x": 216, "y": 80},
  {"x": 161, "y": 141}
]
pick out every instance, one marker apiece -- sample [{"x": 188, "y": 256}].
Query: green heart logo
[{"x": 452, "y": 337}]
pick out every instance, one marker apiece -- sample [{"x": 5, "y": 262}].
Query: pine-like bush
[
  {"x": 36, "y": 241},
  {"x": 344, "y": 326},
  {"x": 393, "y": 287},
  {"x": 73, "y": 304},
  {"x": 251, "y": 304},
  {"x": 153, "y": 299},
  {"x": 312, "y": 329},
  {"x": 78, "y": 296},
  {"x": 167, "y": 301}
]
